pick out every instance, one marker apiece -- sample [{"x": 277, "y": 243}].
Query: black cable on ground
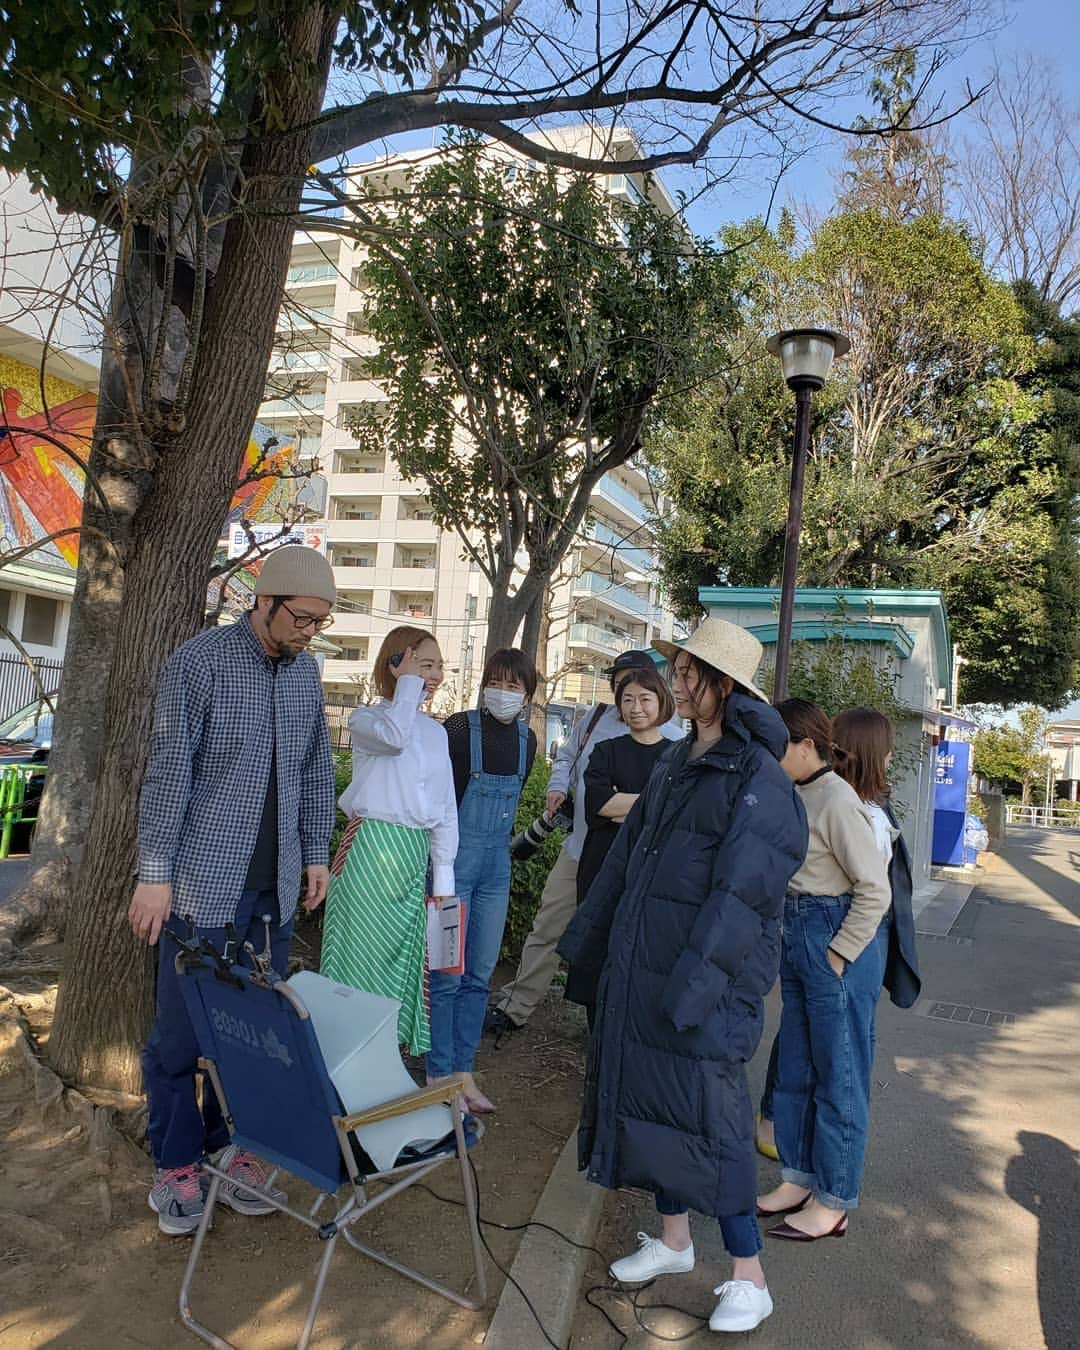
[
  {"x": 633, "y": 1295},
  {"x": 637, "y": 1308}
]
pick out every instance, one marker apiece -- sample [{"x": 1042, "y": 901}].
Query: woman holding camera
[
  {"x": 617, "y": 772},
  {"x": 684, "y": 920},
  {"x": 402, "y": 810},
  {"x": 492, "y": 751}
]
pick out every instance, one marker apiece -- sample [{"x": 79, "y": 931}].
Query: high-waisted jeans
[{"x": 826, "y": 1051}]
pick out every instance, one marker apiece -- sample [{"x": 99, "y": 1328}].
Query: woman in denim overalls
[{"x": 491, "y": 751}]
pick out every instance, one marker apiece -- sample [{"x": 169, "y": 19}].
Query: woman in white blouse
[{"x": 402, "y": 809}]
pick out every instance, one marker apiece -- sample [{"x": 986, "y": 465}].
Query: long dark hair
[{"x": 862, "y": 740}]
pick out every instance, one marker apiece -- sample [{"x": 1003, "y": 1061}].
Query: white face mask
[{"x": 503, "y": 704}]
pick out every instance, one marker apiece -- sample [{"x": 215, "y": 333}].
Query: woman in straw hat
[{"x": 684, "y": 919}]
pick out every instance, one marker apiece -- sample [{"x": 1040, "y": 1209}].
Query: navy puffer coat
[{"x": 691, "y": 895}]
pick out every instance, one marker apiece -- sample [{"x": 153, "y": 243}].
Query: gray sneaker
[
  {"x": 247, "y": 1186},
  {"x": 177, "y": 1197}
]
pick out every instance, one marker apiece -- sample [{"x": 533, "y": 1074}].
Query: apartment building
[{"x": 392, "y": 563}]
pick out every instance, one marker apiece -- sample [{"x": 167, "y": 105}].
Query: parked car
[{"x": 26, "y": 738}]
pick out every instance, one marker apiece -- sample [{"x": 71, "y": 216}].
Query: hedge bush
[{"x": 527, "y": 878}]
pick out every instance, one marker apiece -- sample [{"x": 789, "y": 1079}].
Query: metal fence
[
  {"x": 337, "y": 719},
  {"x": 1039, "y": 815},
  {"x": 17, "y": 685}
]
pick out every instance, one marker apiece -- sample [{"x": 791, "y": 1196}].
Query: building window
[
  {"x": 5, "y": 608},
  {"x": 39, "y": 620}
]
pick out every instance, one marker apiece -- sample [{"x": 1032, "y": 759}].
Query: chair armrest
[{"x": 401, "y": 1106}]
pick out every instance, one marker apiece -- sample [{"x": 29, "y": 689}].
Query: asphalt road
[{"x": 967, "y": 1234}]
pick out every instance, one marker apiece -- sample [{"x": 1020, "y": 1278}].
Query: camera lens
[{"x": 531, "y": 838}]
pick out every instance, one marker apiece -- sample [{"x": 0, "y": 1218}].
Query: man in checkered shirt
[{"x": 237, "y": 801}]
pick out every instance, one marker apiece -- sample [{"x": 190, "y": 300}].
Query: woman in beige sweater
[{"x": 830, "y": 975}]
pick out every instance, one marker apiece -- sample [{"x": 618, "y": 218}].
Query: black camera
[{"x": 525, "y": 844}]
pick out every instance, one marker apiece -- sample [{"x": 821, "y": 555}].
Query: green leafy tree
[
  {"x": 1014, "y": 756},
  {"x": 185, "y": 133},
  {"x": 944, "y": 451},
  {"x": 938, "y": 457},
  {"x": 526, "y": 330},
  {"x": 1020, "y": 628}
]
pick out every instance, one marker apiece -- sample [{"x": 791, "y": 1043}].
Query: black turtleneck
[{"x": 498, "y": 742}]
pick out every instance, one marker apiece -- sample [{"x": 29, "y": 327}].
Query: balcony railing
[
  {"x": 622, "y": 497},
  {"x": 603, "y": 588},
  {"x": 315, "y": 361},
  {"x": 296, "y": 403},
  {"x": 629, "y": 554},
  {"x": 310, "y": 316},
  {"x": 303, "y": 276},
  {"x": 599, "y": 639}
]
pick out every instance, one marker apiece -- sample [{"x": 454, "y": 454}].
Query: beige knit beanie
[{"x": 296, "y": 570}]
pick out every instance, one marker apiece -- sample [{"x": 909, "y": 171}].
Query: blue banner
[{"x": 951, "y": 774}]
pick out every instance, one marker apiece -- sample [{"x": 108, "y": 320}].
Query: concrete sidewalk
[{"x": 967, "y": 1232}]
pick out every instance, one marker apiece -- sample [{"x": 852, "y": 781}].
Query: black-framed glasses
[{"x": 307, "y": 620}]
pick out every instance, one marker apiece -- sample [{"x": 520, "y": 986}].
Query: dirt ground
[{"x": 82, "y": 1263}]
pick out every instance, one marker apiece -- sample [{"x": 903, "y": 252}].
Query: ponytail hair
[
  {"x": 862, "y": 741},
  {"x": 805, "y": 721}
]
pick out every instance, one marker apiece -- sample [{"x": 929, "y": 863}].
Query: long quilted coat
[{"x": 684, "y": 920}]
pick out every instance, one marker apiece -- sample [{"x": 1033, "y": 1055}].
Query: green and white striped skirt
[{"x": 375, "y": 932}]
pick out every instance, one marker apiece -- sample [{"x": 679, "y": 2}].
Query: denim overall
[{"x": 482, "y": 877}]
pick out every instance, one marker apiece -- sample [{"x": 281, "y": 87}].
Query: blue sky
[{"x": 1046, "y": 28}]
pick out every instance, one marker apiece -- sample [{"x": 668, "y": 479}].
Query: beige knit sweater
[{"x": 843, "y": 858}]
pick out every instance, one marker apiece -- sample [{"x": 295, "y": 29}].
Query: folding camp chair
[{"x": 273, "y": 1062}]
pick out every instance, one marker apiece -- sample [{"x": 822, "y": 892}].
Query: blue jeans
[
  {"x": 458, "y": 1002},
  {"x": 766, "y": 1106},
  {"x": 822, "y": 1093},
  {"x": 741, "y": 1234},
  {"x": 179, "y": 1133}
]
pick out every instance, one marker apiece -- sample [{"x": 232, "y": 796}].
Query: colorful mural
[
  {"x": 41, "y": 484},
  {"x": 40, "y": 480}
]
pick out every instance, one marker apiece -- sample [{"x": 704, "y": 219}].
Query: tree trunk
[
  {"x": 535, "y": 627},
  {"x": 118, "y": 479},
  {"x": 505, "y": 613},
  {"x": 508, "y": 612},
  {"x": 155, "y": 596},
  {"x": 132, "y": 395},
  {"x": 538, "y": 614}
]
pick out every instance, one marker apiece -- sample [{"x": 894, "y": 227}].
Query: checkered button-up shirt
[{"x": 222, "y": 705}]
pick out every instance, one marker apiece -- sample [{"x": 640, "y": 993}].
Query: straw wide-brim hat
[{"x": 724, "y": 646}]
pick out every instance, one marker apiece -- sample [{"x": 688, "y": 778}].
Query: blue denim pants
[
  {"x": 741, "y": 1234},
  {"x": 826, "y": 1051},
  {"x": 179, "y": 1132},
  {"x": 458, "y": 1002}
]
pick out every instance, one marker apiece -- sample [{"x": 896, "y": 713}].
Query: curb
[{"x": 548, "y": 1269}]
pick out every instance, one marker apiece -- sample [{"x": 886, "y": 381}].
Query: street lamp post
[{"x": 806, "y": 354}]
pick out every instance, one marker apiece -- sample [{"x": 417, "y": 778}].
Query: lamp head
[{"x": 806, "y": 354}]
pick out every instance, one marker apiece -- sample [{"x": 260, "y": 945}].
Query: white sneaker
[
  {"x": 652, "y": 1258},
  {"x": 742, "y": 1307}
]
